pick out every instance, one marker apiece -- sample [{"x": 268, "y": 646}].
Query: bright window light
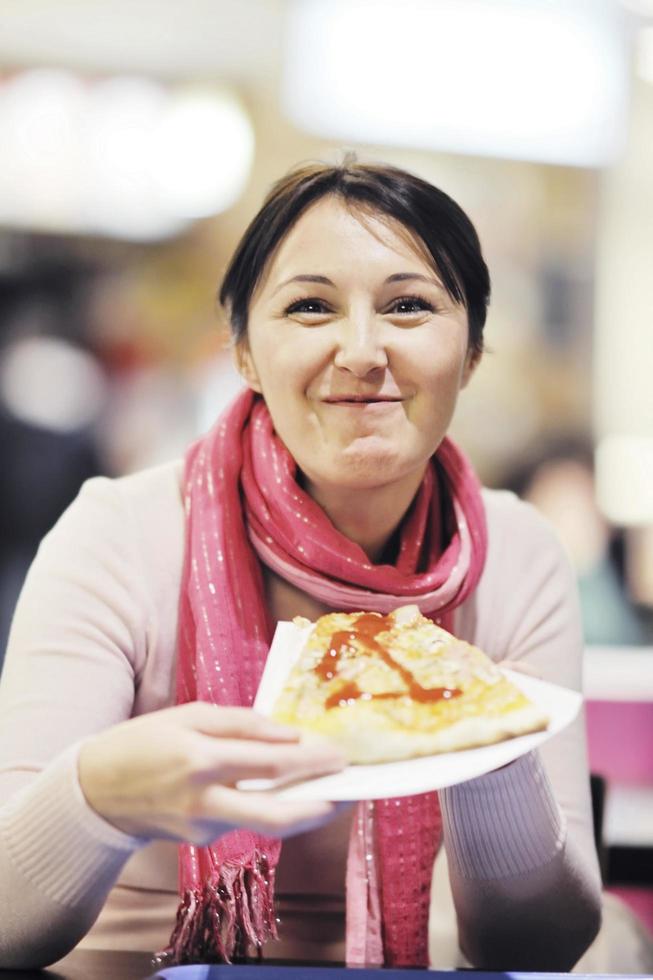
[
  {"x": 643, "y": 8},
  {"x": 624, "y": 477},
  {"x": 524, "y": 79},
  {"x": 41, "y": 113},
  {"x": 209, "y": 140},
  {"x": 122, "y": 115},
  {"x": 644, "y": 56},
  {"x": 125, "y": 157}
]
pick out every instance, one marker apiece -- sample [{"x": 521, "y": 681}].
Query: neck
[{"x": 369, "y": 517}]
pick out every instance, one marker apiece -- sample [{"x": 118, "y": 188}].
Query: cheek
[
  {"x": 438, "y": 386},
  {"x": 290, "y": 364},
  {"x": 435, "y": 368},
  {"x": 284, "y": 380}
]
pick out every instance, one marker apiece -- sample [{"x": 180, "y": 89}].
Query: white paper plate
[{"x": 413, "y": 775}]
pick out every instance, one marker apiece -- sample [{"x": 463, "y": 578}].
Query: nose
[{"x": 360, "y": 345}]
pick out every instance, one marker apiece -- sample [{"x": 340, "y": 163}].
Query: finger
[
  {"x": 229, "y": 760},
  {"x": 265, "y": 813},
  {"x": 219, "y": 721}
]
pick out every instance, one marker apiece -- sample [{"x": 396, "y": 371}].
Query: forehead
[{"x": 346, "y": 236}]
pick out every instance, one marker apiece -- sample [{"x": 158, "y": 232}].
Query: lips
[{"x": 361, "y": 399}]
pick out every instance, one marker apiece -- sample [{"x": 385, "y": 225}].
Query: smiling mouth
[{"x": 362, "y": 400}]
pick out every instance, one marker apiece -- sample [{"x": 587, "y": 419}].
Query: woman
[{"x": 357, "y": 300}]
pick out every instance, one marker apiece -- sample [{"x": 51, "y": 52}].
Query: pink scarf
[{"x": 243, "y": 504}]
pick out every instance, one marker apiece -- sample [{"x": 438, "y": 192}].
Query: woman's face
[{"x": 357, "y": 349}]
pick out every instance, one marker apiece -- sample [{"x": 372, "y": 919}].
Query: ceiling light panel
[{"x": 524, "y": 79}]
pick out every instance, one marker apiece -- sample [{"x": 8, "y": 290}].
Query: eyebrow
[
  {"x": 407, "y": 276},
  {"x": 397, "y": 277},
  {"x": 308, "y": 278}
]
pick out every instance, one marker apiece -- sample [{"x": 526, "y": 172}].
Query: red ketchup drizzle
[{"x": 365, "y": 630}]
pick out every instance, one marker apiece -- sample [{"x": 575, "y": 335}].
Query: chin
[{"x": 363, "y": 469}]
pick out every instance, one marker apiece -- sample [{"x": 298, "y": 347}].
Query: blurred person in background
[
  {"x": 50, "y": 395},
  {"x": 559, "y": 480},
  {"x": 357, "y": 300}
]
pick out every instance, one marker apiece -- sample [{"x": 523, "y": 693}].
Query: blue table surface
[{"x": 271, "y": 972}]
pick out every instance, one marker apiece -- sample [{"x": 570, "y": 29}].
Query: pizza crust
[{"x": 366, "y": 741}]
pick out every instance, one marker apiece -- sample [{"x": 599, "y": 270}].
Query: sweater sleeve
[
  {"x": 76, "y": 648},
  {"x": 520, "y": 847}
]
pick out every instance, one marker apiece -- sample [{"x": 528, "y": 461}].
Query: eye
[
  {"x": 407, "y": 305},
  {"x": 307, "y": 307}
]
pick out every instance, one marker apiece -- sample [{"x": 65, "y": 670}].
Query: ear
[
  {"x": 471, "y": 363},
  {"x": 245, "y": 365}
]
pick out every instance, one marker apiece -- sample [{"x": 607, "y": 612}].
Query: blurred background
[{"x": 137, "y": 139}]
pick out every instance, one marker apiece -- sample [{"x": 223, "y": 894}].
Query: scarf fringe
[{"x": 228, "y": 921}]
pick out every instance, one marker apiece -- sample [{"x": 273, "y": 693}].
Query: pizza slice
[{"x": 399, "y": 686}]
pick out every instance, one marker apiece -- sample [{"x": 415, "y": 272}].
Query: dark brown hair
[{"x": 438, "y": 222}]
